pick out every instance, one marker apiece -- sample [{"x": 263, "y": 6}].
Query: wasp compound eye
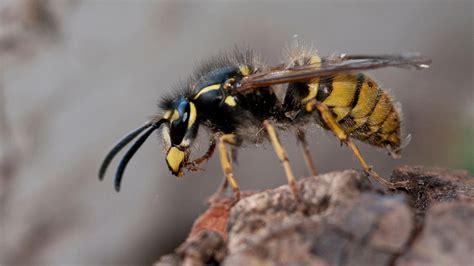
[{"x": 179, "y": 125}]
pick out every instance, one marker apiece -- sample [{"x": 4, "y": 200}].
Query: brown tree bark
[{"x": 342, "y": 219}]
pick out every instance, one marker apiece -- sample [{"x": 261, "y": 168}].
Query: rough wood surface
[{"x": 341, "y": 220}]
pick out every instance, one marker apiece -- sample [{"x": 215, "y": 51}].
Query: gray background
[{"x": 67, "y": 100}]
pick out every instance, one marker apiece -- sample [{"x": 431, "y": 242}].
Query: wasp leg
[
  {"x": 308, "y": 158},
  {"x": 342, "y": 135},
  {"x": 227, "y": 164},
  {"x": 281, "y": 153},
  {"x": 219, "y": 192},
  {"x": 194, "y": 165}
]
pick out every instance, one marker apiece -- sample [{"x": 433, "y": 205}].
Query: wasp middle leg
[
  {"x": 281, "y": 153},
  {"x": 342, "y": 135},
  {"x": 306, "y": 153}
]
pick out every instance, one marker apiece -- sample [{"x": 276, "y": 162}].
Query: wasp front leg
[
  {"x": 342, "y": 135},
  {"x": 281, "y": 153},
  {"x": 194, "y": 164},
  {"x": 226, "y": 163}
]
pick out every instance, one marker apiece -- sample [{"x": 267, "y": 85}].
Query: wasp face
[{"x": 180, "y": 134}]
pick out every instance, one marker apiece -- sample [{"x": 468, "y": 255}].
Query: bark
[{"x": 341, "y": 219}]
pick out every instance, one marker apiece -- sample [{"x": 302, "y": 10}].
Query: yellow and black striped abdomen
[{"x": 362, "y": 108}]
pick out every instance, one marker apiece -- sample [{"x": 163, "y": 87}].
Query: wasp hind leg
[
  {"x": 281, "y": 153},
  {"x": 226, "y": 164},
  {"x": 308, "y": 158},
  {"x": 342, "y": 135}
]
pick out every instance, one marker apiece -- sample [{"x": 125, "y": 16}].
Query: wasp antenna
[
  {"x": 119, "y": 146},
  {"x": 126, "y": 158}
]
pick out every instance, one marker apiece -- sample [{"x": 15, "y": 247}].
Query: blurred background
[{"x": 76, "y": 75}]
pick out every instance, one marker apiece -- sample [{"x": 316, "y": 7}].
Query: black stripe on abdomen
[{"x": 360, "y": 82}]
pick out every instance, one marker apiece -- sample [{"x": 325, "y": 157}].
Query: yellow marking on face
[
  {"x": 174, "y": 159},
  {"x": 230, "y": 101},
  {"x": 174, "y": 115},
  {"x": 192, "y": 115},
  {"x": 165, "y": 133},
  {"x": 244, "y": 70},
  {"x": 313, "y": 90},
  {"x": 207, "y": 89},
  {"x": 167, "y": 115}
]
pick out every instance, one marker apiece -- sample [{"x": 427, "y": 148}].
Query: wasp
[{"x": 240, "y": 100}]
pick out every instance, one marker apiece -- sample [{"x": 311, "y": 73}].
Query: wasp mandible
[{"x": 234, "y": 96}]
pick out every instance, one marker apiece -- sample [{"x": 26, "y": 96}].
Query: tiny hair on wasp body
[{"x": 234, "y": 96}]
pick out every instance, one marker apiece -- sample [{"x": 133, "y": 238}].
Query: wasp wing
[{"x": 330, "y": 66}]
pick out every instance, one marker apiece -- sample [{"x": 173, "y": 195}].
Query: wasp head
[{"x": 179, "y": 134}]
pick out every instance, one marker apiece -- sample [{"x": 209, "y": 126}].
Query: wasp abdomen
[{"x": 359, "y": 105}]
